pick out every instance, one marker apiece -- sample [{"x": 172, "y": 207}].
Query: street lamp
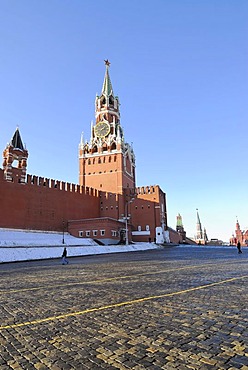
[
  {"x": 127, "y": 217},
  {"x": 63, "y": 239}
]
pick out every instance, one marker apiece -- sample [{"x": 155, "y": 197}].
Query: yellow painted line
[
  {"x": 121, "y": 304},
  {"x": 107, "y": 279}
]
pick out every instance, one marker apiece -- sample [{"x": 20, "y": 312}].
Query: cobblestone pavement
[{"x": 175, "y": 308}]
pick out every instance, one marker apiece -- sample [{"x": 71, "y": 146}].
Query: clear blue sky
[{"x": 180, "y": 69}]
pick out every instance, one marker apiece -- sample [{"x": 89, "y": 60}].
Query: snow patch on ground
[{"x": 23, "y": 245}]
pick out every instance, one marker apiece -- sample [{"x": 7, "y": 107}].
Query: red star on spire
[{"x": 107, "y": 63}]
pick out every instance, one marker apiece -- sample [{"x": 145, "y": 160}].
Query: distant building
[
  {"x": 240, "y": 236},
  {"x": 201, "y": 236},
  {"x": 215, "y": 242}
]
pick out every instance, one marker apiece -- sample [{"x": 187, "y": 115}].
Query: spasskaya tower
[{"x": 107, "y": 162}]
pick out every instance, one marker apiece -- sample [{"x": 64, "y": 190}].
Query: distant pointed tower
[
  {"x": 179, "y": 225},
  {"x": 15, "y": 159},
  {"x": 199, "y": 233},
  {"x": 106, "y": 162},
  {"x": 237, "y": 225},
  {"x": 180, "y": 228},
  {"x": 238, "y": 232}
]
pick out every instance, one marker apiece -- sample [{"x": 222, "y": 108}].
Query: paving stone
[{"x": 201, "y": 329}]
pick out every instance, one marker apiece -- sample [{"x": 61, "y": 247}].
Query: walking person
[
  {"x": 239, "y": 247},
  {"x": 64, "y": 255}
]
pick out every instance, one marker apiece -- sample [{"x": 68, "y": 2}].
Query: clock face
[{"x": 102, "y": 129}]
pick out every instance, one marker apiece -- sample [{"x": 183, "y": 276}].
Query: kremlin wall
[{"x": 44, "y": 204}]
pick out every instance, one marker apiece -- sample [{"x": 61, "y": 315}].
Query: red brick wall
[
  {"x": 175, "y": 237},
  {"x": 43, "y": 204}
]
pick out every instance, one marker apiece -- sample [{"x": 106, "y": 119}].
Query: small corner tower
[
  {"x": 15, "y": 159},
  {"x": 180, "y": 228},
  {"x": 106, "y": 162}
]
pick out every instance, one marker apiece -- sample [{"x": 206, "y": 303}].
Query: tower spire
[
  {"x": 107, "y": 88},
  {"x": 16, "y": 141},
  {"x": 199, "y": 233}
]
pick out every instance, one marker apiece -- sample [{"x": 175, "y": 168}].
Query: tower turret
[
  {"x": 179, "y": 222},
  {"x": 180, "y": 228},
  {"x": 15, "y": 159},
  {"x": 239, "y": 233},
  {"x": 237, "y": 225},
  {"x": 107, "y": 162}
]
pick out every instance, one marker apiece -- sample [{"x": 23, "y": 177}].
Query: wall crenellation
[
  {"x": 60, "y": 185},
  {"x": 146, "y": 190}
]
